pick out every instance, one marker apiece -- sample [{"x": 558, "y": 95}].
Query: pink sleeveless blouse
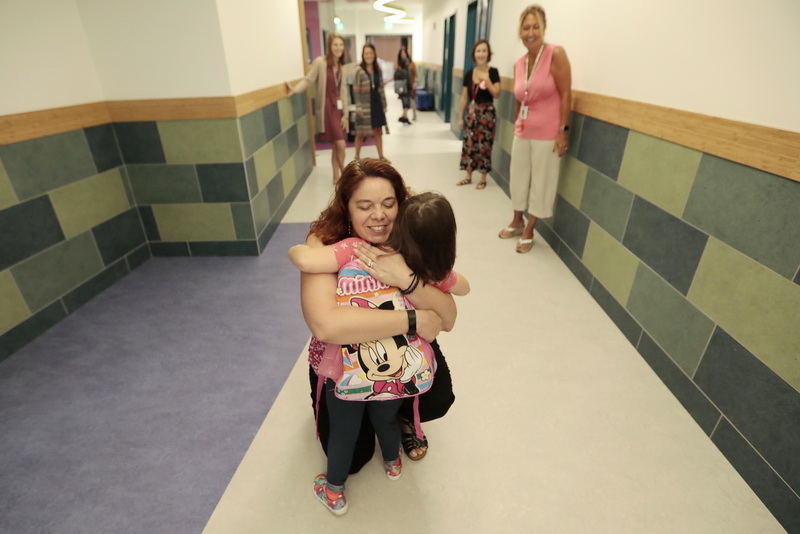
[{"x": 544, "y": 100}]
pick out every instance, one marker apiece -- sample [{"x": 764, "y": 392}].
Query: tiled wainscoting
[
  {"x": 696, "y": 259},
  {"x": 455, "y": 102},
  {"x": 82, "y": 208}
]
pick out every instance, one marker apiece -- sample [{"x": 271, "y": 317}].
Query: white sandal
[
  {"x": 524, "y": 245},
  {"x": 509, "y": 232}
]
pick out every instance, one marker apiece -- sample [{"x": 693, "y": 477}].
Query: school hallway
[{"x": 191, "y": 413}]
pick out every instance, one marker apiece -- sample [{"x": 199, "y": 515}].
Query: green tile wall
[
  {"x": 201, "y": 141},
  {"x": 14, "y": 309},
  {"x": 80, "y": 210},
  {"x": 727, "y": 283},
  {"x": 44, "y": 278},
  {"x": 753, "y": 211},
  {"x": 8, "y": 197},
  {"x": 215, "y": 174},
  {"x": 40, "y": 165},
  {"x": 697, "y": 261},
  {"x": 604, "y": 200},
  {"x": 69, "y": 228},
  {"x": 83, "y": 205},
  {"x": 659, "y": 171},
  {"x": 611, "y": 263}
]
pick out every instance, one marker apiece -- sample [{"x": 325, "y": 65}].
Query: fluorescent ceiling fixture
[{"x": 397, "y": 15}]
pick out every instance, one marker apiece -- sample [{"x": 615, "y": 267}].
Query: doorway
[
  {"x": 447, "y": 64},
  {"x": 472, "y": 19},
  {"x": 386, "y": 48},
  {"x": 350, "y": 54}
]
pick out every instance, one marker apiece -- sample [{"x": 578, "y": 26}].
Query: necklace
[{"x": 533, "y": 70}]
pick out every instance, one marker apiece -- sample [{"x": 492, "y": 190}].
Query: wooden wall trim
[
  {"x": 172, "y": 109},
  {"x": 35, "y": 124},
  {"x": 430, "y": 66},
  {"x": 769, "y": 149},
  {"x": 249, "y": 102},
  {"x": 32, "y": 125}
]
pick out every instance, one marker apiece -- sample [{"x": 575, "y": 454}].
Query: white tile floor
[{"x": 559, "y": 425}]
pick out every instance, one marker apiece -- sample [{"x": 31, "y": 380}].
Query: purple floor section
[{"x": 132, "y": 414}]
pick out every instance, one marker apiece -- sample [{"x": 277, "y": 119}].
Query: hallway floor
[{"x": 178, "y": 402}]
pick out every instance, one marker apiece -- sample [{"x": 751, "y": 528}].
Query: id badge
[
  {"x": 339, "y": 104},
  {"x": 523, "y": 112}
]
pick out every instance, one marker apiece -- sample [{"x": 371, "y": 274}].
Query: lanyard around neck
[
  {"x": 475, "y": 87},
  {"x": 533, "y": 70},
  {"x": 337, "y": 78}
]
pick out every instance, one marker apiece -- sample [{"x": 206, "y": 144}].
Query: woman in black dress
[{"x": 370, "y": 100}]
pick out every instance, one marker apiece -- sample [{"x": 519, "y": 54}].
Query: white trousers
[{"x": 534, "y": 176}]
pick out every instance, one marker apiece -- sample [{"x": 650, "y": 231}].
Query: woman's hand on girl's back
[
  {"x": 387, "y": 267},
  {"x": 429, "y": 324}
]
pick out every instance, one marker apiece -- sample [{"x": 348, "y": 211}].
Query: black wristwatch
[{"x": 412, "y": 323}]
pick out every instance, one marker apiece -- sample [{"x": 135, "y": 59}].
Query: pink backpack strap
[
  {"x": 417, "y": 420},
  {"x": 332, "y": 367}
]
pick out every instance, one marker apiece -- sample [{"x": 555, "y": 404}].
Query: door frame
[{"x": 448, "y": 62}]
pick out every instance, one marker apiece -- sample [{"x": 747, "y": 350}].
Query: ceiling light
[{"x": 397, "y": 15}]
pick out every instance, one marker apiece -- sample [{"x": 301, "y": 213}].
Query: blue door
[{"x": 447, "y": 65}]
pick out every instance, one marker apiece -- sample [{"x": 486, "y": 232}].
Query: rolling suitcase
[{"x": 424, "y": 100}]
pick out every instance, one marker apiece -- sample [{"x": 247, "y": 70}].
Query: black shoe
[{"x": 411, "y": 442}]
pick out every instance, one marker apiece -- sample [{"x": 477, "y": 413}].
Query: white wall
[
  {"x": 736, "y": 59},
  {"x": 154, "y": 49},
  {"x": 45, "y": 61},
  {"x": 57, "y": 53},
  {"x": 362, "y": 20},
  {"x": 262, "y": 42},
  {"x": 433, "y": 30}
]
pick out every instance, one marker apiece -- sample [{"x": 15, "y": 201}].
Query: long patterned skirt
[{"x": 476, "y": 152}]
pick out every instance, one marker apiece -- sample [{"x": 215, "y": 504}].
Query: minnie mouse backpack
[{"x": 389, "y": 368}]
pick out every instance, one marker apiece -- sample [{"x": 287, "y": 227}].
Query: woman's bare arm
[
  {"x": 461, "y": 287},
  {"x": 562, "y": 74},
  {"x": 461, "y": 105},
  {"x": 391, "y": 269},
  {"x": 332, "y": 323},
  {"x": 314, "y": 259}
]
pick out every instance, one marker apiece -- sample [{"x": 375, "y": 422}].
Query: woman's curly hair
[{"x": 333, "y": 223}]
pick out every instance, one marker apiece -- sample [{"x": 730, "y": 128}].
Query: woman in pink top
[{"x": 542, "y": 88}]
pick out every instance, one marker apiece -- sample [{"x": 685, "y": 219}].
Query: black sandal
[{"x": 411, "y": 442}]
